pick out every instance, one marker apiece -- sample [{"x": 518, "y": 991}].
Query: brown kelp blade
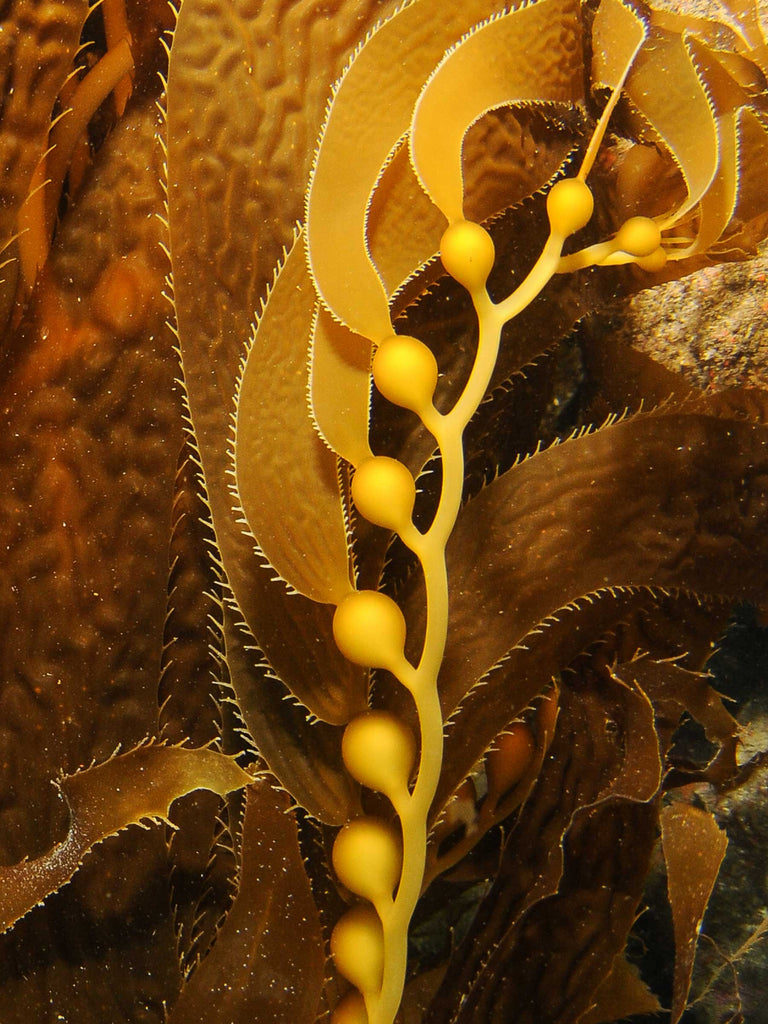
[
  {"x": 694, "y": 847},
  {"x": 653, "y": 501},
  {"x": 592, "y": 795},
  {"x": 37, "y": 47},
  {"x": 128, "y": 789},
  {"x": 622, "y": 994},
  {"x": 304, "y": 755},
  {"x": 268, "y": 961}
]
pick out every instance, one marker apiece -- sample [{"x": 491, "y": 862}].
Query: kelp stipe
[{"x": 427, "y": 633}]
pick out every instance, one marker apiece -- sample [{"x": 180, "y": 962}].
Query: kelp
[{"x": 358, "y": 582}]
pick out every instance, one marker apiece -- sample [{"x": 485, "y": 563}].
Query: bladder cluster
[{"x": 382, "y": 865}]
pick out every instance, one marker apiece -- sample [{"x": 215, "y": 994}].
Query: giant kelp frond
[{"x": 442, "y": 580}]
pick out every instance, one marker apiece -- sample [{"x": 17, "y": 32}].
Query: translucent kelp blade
[
  {"x": 128, "y": 789},
  {"x": 532, "y": 54},
  {"x": 287, "y": 483},
  {"x": 642, "y": 503},
  {"x": 675, "y": 691},
  {"x": 746, "y": 14},
  {"x": 340, "y": 386},
  {"x": 369, "y": 113},
  {"x": 618, "y": 32},
  {"x": 523, "y": 674},
  {"x": 304, "y": 755},
  {"x": 404, "y": 228},
  {"x": 718, "y": 202},
  {"x": 268, "y": 961},
  {"x": 694, "y": 847},
  {"x": 666, "y": 88}
]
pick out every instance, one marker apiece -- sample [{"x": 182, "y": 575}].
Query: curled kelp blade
[
  {"x": 268, "y": 960},
  {"x": 694, "y": 847},
  {"x": 540, "y": 715},
  {"x": 656, "y": 501},
  {"x": 506, "y": 160},
  {"x": 532, "y": 54},
  {"x": 750, "y": 213},
  {"x": 501, "y": 165},
  {"x": 520, "y": 677},
  {"x": 369, "y": 113},
  {"x": 674, "y": 691},
  {"x": 620, "y": 622},
  {"x": 128, "y": 789},
  {"x": 667, "y": 90},
  {"x": 286, "y": 478}
]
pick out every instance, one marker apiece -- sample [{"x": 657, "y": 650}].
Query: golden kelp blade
[
  {"x": 290, "y": 496},
  {"x": 104, "y": 799},
  {"x": 404, "y": 227},
  {"x": 529, "y": 55},
  {"x": 666, "y": 88},
  {"x": 369, "y": 113},
  {"x": 750, "y": 207},
  {"x": 618, "y": 32},
  {"x": 340, "y": 383},
  {"x": 719, "y": 201}
]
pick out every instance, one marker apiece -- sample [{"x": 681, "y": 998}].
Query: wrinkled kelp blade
[
  {"x": 268, "y": 961},
  {"x": 530, "y": 55},
  {"x": 287, "y": 479},
  {"x": 126, "y": 790},
  {"x": 217, "y": 208},
  {"x": 694, "y": 847},
  {"x": 691, "y": 515},
  {"x": 369, "y": 113},
  {"x": 88, "y": 445}
]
